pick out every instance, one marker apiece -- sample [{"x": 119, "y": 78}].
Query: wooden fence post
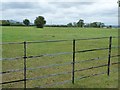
[
  {"x": 109, "y": 55},
  {"x": 25, "y": 56},
  {"x": 73, "y": 63}
]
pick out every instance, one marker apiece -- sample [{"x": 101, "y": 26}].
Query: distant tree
[
  {"x": 80, "y": 23},
  {"x": 4, "y": 22},
  {"x": 74, "y": 24},
  {"x": 26, "y": 22},
  {"x": 87, "y": 25},
  {"x": 69, "y": 25},
  {"x": 97, "y": 24},
  {"x": 102, "y": 25},
  {"x": 39, "y": 22},
  {"x": 110, "y": 26},
  {"x": 94, "y": 24}
]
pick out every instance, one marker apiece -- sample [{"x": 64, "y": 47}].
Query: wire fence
[{"x": 73, "y": 63}]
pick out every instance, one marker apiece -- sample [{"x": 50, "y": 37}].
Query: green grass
[
  {"x": 20, "y": 34},
  {"x": 17, "y": 34}
]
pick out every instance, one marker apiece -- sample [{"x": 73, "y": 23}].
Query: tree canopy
[
  {"x": 97, "y": 24},
  {"x": 26, "y": 22},
  {"x": 69, "y": 25},
  {"x": 4, "y": 23},
  {"x": 40, "y": 22},
  {"x": 80, "y": 23}
]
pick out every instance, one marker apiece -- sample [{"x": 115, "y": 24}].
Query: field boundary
[{"x": 25, "y": 57}]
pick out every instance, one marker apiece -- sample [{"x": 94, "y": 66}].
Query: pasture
[{"x": 21, "y": 34}]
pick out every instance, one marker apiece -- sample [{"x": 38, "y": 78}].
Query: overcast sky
[{"x": 61, "y": 11}]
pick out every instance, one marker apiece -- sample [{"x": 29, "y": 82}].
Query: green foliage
[
  {"x": 74, "y": 24},
  {"x": 94, "y": 24},
  {"x": 9, "y": 23},
  {"x": 16, "y": 24},
  {"x": 80, "y": 23},
  {"x": 109, "y": 26},
  {"x": 97, "y": 24},
  {"x": 26, "y": 22},
  {"x": 69, "y": 25},
  {"x": 87, "y": 25},
  {"x": 40, "y": 22},
  {"x": 4, "y": 23}
]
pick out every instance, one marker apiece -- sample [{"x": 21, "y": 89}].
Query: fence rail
[
  {"x": 56, "y": 54},
  {"x": 56, "y": 74},
  {"x": 25, "y": 57},
  {"x": 54, "y": 65},
  {"x": 68, "y": 81}
]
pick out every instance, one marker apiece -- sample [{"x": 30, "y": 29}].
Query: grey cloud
[
  {"x": 23, "y": 8},
  {"x": 59, "y": 12},
  {"x": 112, "y": 12},
  {"x": 18, "y": 5},
  {"x": 70, "y": 4}
]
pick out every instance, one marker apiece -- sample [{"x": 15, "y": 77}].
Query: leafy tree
[
  {"x": 74, "y": 24},
  {"x": 26, "y": 22},
  {"x": 94, "y": 24},
  {"x": 39, "y": 22},
  {"x": 110, "y": 26},
  {"x": 4, "y": 23},
  {"x": 97, "y": 24},
  {"x": 87, "y": 25},
  {"x": 102, "y": 25},
  {"x": 80, "y": 23},
  {"x": 69, "y": 25}
]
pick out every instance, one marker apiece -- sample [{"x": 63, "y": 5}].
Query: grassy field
[{"x": 20, "y": 34}]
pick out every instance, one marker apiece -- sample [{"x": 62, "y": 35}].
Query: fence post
[
  {"x": 109, "y": 55},
  {"x": 73, "y": 64},
  {"x": 25, "y": 56}
]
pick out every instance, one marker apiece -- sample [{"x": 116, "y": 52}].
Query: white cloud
[
  {"x": 62, "y": 12},
  {"x": 59, "y": 1}
]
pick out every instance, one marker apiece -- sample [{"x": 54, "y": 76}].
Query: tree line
[
  {"x": 40, "y": 22},
  {"x": 81, "y": 24}
]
